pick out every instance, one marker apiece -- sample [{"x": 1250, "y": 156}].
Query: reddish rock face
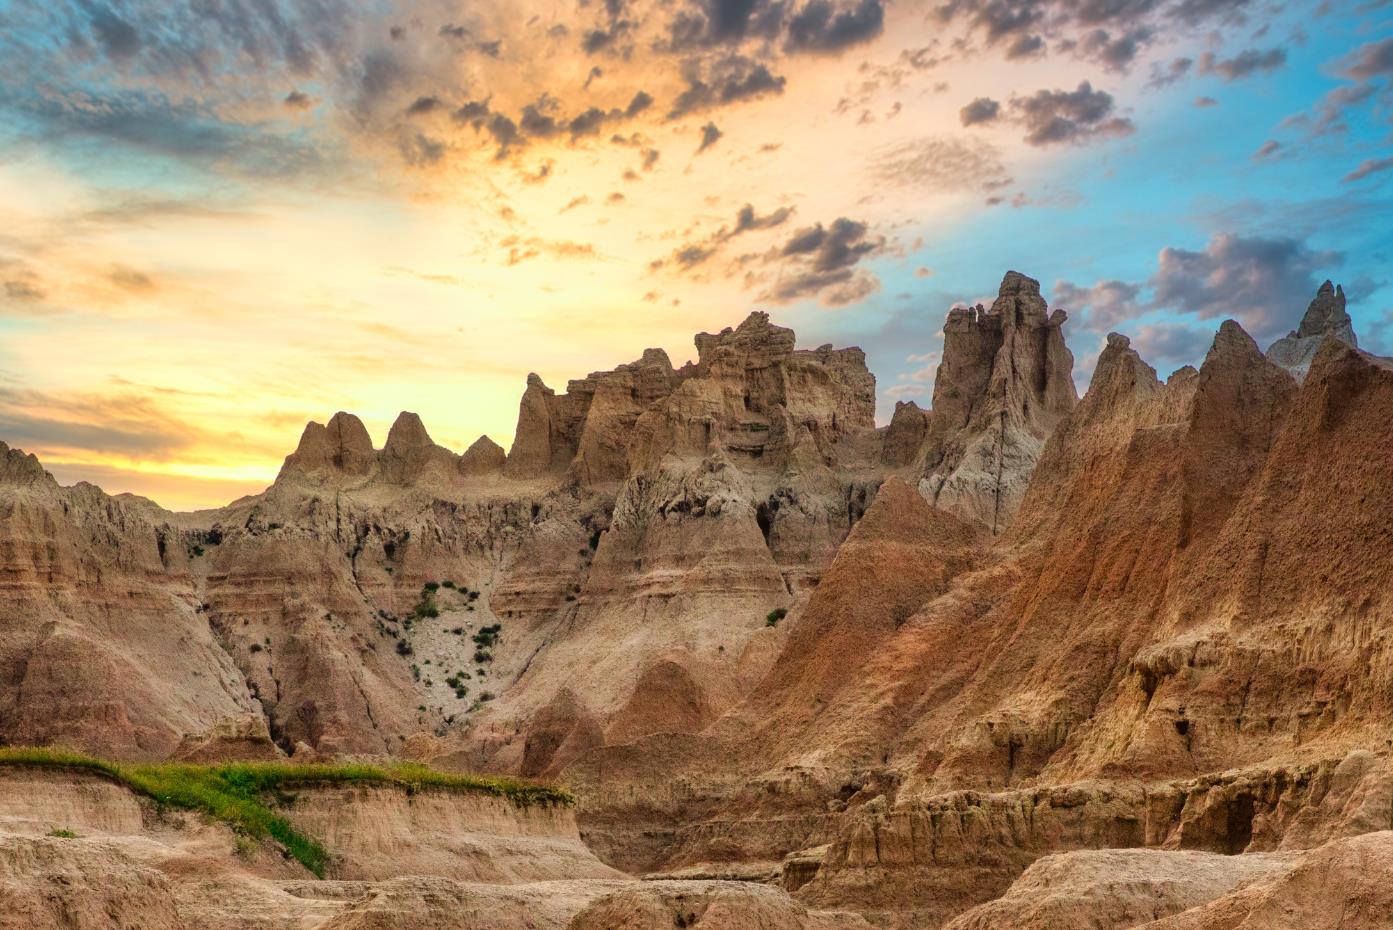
[{"x": 888, "y": 668}]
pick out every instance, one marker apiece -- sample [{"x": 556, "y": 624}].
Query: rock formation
[
  {"x": 1017, "y": 660},
  {"x": 1003, "y": 385},
  {"x": 1326, "y": 316}
]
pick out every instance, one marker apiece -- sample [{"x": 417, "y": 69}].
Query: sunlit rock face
[{"x": 920, "y": 671}]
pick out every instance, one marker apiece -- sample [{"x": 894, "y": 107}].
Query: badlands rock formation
[{"x": 1018, "y": 660}]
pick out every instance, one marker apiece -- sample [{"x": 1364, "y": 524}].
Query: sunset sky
[{"x": 222, "y": 218}]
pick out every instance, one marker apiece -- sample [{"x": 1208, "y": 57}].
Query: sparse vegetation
[
  {"x": 241, "y": 794},
  {"x": 404, "y": 648},
  {"x": 775, "y": 615},
  {"x": 63, "y": 834}
]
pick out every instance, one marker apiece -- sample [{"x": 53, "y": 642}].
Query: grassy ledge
[{"x": 241, "y": 793}]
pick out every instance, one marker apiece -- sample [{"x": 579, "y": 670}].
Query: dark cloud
[
  {"x": 117, "y": 37},
  {"x": 541, "y": 120},
  {"x": 1370, "y": 60},
  {"x": 1164, "y": 75},
  {"x": 747, "y": 220},
  {"x": 730, "y": 81},
  {"x": 822, "y": 261},
  {"x": 1114, "y": 52},
  {"x": 711, "y": 23},
  {"x": 1055, "y": 117},
  {"x": 296, "y": 100},
  {"x": 1368, "y": 167},
  {"x": 1262, "y": 282},
  {"x": 1112, "y": 33},
  {"x": 1331, "y": 109},
  {"x": 710, "y": 134},
  {"x": 1244, "y": 64},
  {"x": 822, "y": 28},
  {"x": 981, "y": 110},
  {"x": 420, "y": 150},
  {"x": 475, "y": 112},
  {"x": 505, "y": 133},
  {"x": 1025, "y": 46},
  {"x": 423, "y": 105}
]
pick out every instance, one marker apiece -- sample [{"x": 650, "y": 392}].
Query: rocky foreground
[{"x": 1022, "y": 660}]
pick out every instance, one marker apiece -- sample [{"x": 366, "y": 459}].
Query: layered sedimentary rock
[{"x": 887, "y": 669}]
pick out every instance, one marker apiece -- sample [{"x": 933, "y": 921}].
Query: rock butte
[{"x": 1021, "y": 660}]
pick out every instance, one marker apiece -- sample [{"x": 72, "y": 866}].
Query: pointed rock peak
[
  {"x": 1121, "y": 372},
  {"x": 349, "y": 432},
  {"x": 1325, "y": 317},
  {"x": 408, "y": 432},
  {"x": 1233, "y": 340},
  {"x": 19, "y": 467},
  {"x": 1326, "y": 314},
  {"x": 484, "y": 444},
  {"x": 1016, "y": 284},
  {"x": 535, "y": 382}
]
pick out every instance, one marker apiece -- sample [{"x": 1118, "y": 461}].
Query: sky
[{"x": 220, "y": 219}]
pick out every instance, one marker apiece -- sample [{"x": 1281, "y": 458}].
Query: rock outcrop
[
  {"x": 1004, "y": 383},
  {"x": 1325, "y": 317},
  {"x": 1048, "y": 658}
]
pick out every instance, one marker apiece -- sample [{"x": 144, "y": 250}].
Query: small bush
[
  {"x": 404, "y": 648},
  {"x": 430, "y": 587},
  {"x": 63, "y": 834},
  {"x": 482, "y": 655},
  {"x": 447, "y": 584},
  {"x": 775, "y": 615}
]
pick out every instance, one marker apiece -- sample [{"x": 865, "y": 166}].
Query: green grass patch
[{"x": 243, "y": 794}]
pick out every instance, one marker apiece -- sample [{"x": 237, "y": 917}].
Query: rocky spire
[
  {"x": 531, "y": 453},
  {"x": 343, "y": 445},
  {"x": 482, "y": 458},
  {"x": 410, "y": 451},
  {"x": 1326, "y": 316},
  {"x": 1004, "y": 383}
]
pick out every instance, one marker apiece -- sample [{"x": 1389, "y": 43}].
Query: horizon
[{"x": 224, "y": 226}]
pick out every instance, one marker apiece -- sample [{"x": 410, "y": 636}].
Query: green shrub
[
  {"x": 775, "y": 615},
  {"x": 63, "y": 834}
]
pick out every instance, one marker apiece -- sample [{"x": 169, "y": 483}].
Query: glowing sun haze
[{"x": 222, "y": 220}]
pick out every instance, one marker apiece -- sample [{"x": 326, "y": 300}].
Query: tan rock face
[
  {"x": 1004, "y": 384},
  {"x": 484, "y": 457},
  {"x": 887, "y": 669}
]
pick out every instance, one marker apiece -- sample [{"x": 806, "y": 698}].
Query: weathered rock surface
[
  {"x": 1325, "y": 317},
  {"x": 1144, "y": 634},
  {"x": 1004, "y": 384},
  {"x": 1115, "y": 888}
]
